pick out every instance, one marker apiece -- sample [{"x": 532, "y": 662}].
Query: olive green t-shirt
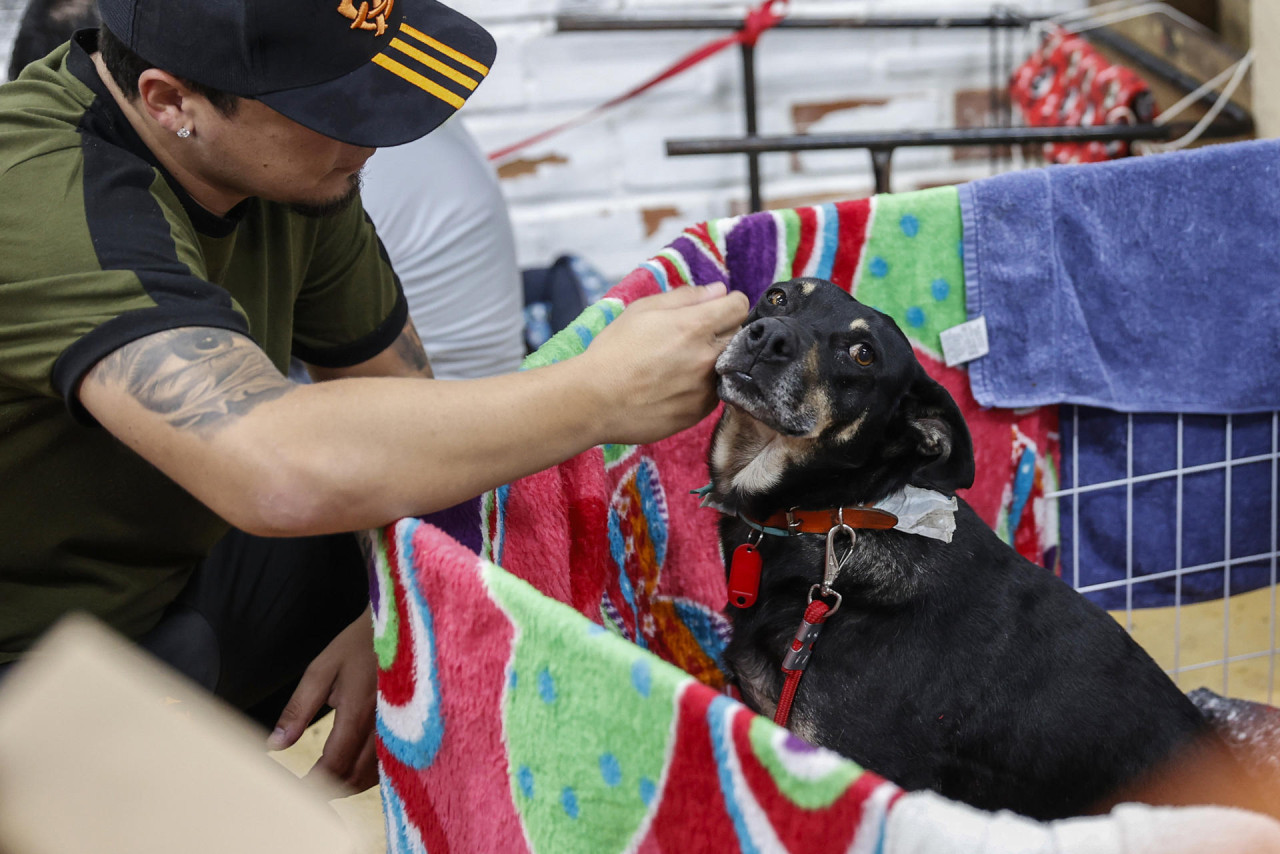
[{"x": 99, "y": 246}]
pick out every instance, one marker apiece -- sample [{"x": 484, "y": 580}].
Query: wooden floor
[
  {"x": 361, "y": 813},
  {"x": 1210, "y": 632}
]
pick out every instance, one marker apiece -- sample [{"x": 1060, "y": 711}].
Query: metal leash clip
[{"x": 834, "y": 564}]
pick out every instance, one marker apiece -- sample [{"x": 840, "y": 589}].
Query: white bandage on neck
[{"x": 923, "y": 511}]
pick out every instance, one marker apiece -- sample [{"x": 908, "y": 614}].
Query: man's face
[{"x": 258, "y": 152}]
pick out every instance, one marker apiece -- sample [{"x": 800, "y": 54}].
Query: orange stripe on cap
[
  {"x": 435, "y": 64},
  {"x": 418, "y": 80},
  {"x": 444, "y": 48}
]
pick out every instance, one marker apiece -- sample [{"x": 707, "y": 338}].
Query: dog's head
[{"x": 824, "y": 393}]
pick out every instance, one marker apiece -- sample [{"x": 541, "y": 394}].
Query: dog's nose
[{"x": 772, "y": 340}]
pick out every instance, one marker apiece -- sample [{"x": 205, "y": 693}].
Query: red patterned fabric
[{"x": 1067, "y": 83}]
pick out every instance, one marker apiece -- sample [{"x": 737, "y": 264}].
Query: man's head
[
  {"x": 287, "y": 100},
  {"x": 379, "y": 73}
]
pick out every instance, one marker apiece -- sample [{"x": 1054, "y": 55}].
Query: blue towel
[
  {"x": 1143, "y": 285},
  {"x": 1110, "y": 534}
]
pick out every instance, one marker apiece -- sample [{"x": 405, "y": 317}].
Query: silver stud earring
[{"x": 183, "y": 133}]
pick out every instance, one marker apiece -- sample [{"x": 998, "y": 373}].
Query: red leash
[
  {"x": 759, "y": 19},
  {"x": 815, "y": 615},
  {"x": 797, "y": 658}
]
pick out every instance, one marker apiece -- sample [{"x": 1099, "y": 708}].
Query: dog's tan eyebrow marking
[
  {"x": 807, "y": 288},
  {"x": 859, "y": 325},
  {"x": 851, "y": 430}
]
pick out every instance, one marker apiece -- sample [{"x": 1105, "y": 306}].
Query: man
[{"x": 180, "y": 213}]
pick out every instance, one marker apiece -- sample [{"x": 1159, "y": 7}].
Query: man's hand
[
  {"x": 345, "y": 677},
  {"x": 657, "y": 360}
]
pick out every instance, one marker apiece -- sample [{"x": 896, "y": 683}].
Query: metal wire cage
[{"x": 1170, "y": 522}]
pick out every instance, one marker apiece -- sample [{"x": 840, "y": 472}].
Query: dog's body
[{"x": 959, "y": 667}]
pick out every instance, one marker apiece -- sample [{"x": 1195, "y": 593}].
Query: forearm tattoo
[
  {"x": 199, "y": 379},
  {"x": 408, "y": 347}
]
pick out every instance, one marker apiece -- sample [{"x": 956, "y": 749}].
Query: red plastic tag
[{"x": 744, "y": 576}]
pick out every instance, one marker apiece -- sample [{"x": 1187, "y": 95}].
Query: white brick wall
[
  {"x": 608, "y": 191},
  {"x": 10, "y": 17}
]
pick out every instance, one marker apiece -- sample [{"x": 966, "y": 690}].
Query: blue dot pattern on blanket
[
  {"x": 610, "y": 771},
  {"x": 582, "y": 767},
  {"x": 911, "y": 268},
  {"x": 640, "y": 677},
  {"x": 546, "y": 686},
  {"x": 569, "y": 800}
]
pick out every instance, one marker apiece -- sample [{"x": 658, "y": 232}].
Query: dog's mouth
[{"x": 765, "y": 403}]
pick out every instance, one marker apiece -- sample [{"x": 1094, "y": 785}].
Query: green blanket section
[
  {"x": 912, "y": 266},
  {"x": 589, "y": 722}
]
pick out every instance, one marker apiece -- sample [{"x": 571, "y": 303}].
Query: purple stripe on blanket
[
  {"x": 701, "y": 268},
  {"x": 752, "y": 250},
  {"x": 462, "y": 521}
]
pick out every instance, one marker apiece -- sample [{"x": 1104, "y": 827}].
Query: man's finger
[
  {"x": 365, "y": 771},
  {"x": 723, "y": 316},
  {"x": 343, "y": 746},
  {"x": 301, "y": 709},
  {"x": 680, "y": 297}
]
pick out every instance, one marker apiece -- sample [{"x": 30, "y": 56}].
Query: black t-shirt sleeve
[
  {"x": 102, "y": 264},
  {"x": 351, "y": 306}
]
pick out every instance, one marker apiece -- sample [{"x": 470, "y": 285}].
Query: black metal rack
[{"x": 1233, "y": 121}]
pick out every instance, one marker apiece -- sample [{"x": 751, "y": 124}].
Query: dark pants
[
  {"x": 258, "y": 611},
  {"x": 255, "y": 614}
]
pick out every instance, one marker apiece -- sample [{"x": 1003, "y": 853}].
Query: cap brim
[{"x": 420, "y": 77}]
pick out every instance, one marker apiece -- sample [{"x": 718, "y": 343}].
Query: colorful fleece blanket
[{"x": 507, "y": 722}]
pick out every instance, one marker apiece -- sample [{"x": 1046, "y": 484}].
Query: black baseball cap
[{"x": 371, "y": 73}]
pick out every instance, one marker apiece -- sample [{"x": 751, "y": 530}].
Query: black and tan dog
[{"x": 950, "y": 662}]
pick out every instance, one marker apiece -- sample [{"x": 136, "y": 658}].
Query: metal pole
[
  {"x": 749, "y": 106},
  {"x": 880, "y": 158},
  {"x": 602, "y": 23},
  {"x": 887, "y": 141}
]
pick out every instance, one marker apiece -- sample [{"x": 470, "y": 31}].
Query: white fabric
[
  {"x": 924, "y": 512},
  {"x": 926, "y": 823},
  {"x": 441, "y": 215}
]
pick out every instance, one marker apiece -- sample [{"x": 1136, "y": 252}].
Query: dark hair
[
  {"x": 126, "y": 66},
  {"x": 47, "y": 24}
]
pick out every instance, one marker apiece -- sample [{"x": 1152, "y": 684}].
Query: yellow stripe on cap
[
  {"x": 444, "y": 48},
  {"x": 418, "y": 80},
  {"x": 435, "y": 64}
]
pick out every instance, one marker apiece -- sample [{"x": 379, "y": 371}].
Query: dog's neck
[{"x": 756, "y": 471}]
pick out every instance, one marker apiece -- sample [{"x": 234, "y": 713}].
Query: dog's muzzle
[{"x": 761, "y": 371}]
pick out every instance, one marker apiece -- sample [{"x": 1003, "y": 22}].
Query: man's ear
[
  {"x": 162, "y": 96},
  {"x": 943, "y": 445}
]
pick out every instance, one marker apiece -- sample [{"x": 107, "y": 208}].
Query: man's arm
[
  {"x": 406, "y": 357},
  {"x": 275, "y": 458}
]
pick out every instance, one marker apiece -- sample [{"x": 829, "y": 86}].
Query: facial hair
[{"x": 318, "y": 210}]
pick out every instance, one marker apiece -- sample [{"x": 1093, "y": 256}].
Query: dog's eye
[
  {"x": 776, "y": 296},
  {"x": 862, "y": 354}
]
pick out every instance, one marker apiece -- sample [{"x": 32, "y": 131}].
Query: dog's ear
[{"x": 943, "y": 444}]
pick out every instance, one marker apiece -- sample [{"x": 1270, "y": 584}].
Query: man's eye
[
  {"x": 776, "y": 296},
  {"x": 862, "y": 354}
]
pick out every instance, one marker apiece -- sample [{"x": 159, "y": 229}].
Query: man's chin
[{"x": 332, "y": 206}]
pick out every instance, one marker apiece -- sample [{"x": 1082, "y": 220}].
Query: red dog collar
[{"x": 821, "y": 521}]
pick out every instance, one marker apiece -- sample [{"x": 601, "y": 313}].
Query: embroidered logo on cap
[{"x": 367, "y": 17}]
